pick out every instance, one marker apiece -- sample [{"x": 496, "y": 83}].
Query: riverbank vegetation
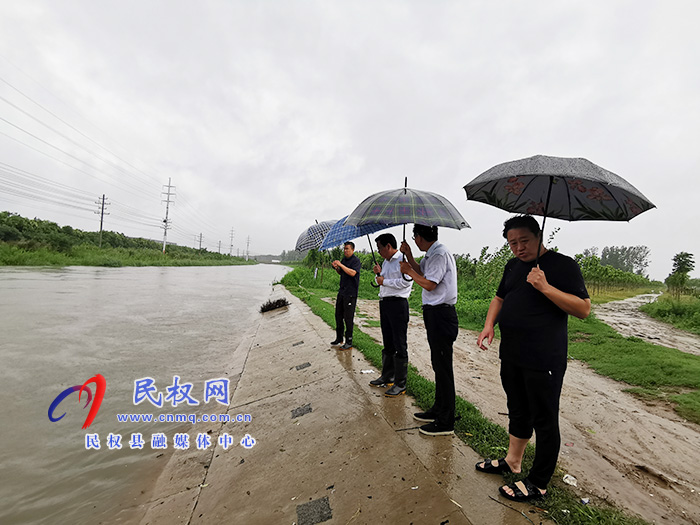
[
  {"x": 34, "y": 242},
  {"x": 680, "y": 306},
  {"x": 655, "y": 373}
]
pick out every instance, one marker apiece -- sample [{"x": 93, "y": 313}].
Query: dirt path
[
  {"x": 639, "y": 457},
  {"x": 625, "y": 317}
]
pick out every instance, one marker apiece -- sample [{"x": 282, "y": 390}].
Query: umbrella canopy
[
  {"x": 312, "y": 237},
  {"x": 407, "y": 206},
  {"x": 572, "y": 189},
  {"x": 341, "y": 232}
]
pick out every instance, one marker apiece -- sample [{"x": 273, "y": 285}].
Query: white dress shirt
[
  {"x": 394, "y": 284},
  {"x": 438, "y": 265}
]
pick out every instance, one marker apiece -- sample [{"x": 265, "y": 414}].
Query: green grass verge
[
  {"x": 486, "y": 438},
  {"x": 87, "y": 255}
]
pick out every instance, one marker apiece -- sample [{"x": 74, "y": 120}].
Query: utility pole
[
  {"x": 247, "y": 248},
  {"x": 230, "y": 250},
  {"x": 101, "y": 203},
  {"x": 166, "y": 222},
  {"x": 219, "y": 246},
  {"x": 200, "y": 241}
]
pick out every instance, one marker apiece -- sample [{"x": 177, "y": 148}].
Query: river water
[{"x": 60, "y": 327}]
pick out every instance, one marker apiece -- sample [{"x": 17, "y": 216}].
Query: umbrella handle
[
  {"x": 404, "y": 255},
  {"x": 374, "y": 260},
  {"x": 544, "y": 219},
  {"x": 405, "y": 278}
]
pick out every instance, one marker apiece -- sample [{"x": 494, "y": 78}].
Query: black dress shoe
[
  {"x": 435, "y": 429},
  {"x": 336, "y": 342},
  {"x": 346, "y": 346},
  {"x": 426, "y": 417}
]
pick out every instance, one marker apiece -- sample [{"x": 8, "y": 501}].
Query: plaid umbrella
[
  {"x": 407, "y": 206},
  {"x": 312, "y": 237},
  {"x": 572, "y": 189},
  {"x": 341, "y": 232}
]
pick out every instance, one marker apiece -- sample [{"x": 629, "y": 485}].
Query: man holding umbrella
[
  {"x": 437, "y": 275},
  {"x": 393, "y": 315},
  {"x": 532, "y": 305},
  {"x": 349, "y": 271}
]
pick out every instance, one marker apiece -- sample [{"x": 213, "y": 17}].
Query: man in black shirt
[
  {"x": 532, "y": 306},
  {"x": 349, "y": 271}
]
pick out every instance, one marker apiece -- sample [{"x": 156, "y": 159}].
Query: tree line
[{"x": 34, "y": 235}]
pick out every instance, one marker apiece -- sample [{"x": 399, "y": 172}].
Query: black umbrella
[{"x": 572, "y": 189}]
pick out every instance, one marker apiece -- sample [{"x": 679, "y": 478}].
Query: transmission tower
[
  {"x": 101, "y": 202},
  {"x": 230, "y": 250},
  {"x": 169, "y": 191}
]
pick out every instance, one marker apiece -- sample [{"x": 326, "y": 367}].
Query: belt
[
  {"x": 435, "y": 306},
  {"x": 393, "y": 298}
]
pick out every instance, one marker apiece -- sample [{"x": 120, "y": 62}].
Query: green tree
[
  {"x": 683, "y": 263},
  {"x": 633, "y": 259}
]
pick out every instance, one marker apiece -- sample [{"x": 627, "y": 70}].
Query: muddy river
[{"x": 61, "y": 327}]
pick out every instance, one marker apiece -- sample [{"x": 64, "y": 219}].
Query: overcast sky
[{"x": 271, "y": 115}]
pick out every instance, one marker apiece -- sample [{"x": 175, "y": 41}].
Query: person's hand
[
  {"x": 406, "y": 268},
  {"x": 377, "y": 269},
  {"x": 537, "y": 279},
  {"x": 379, "y": 279},
  {"x": 486, "y": 333},
  {"x": 405, "y": 248},
  {"x": 335, "y": 264}
]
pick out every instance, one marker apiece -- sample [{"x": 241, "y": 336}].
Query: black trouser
[
  {"x": 442, "y": 327},
  {"x": 533, "y": 404},
  {"x": 344, "y": 313},
  {"x": 393, "y": 316}
]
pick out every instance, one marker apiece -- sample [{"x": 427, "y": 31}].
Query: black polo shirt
[
  {"x": 349, "y": 286},
  {"x": 533, "y": 328}
]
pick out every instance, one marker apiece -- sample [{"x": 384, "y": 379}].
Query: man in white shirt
[
  {"x": 437, "y": 275},
  {"x": 393, "y": 314}
]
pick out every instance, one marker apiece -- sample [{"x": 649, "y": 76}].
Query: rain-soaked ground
[
  {"x": 60, "y": 327},
  {"x": 625, "y": 317}
]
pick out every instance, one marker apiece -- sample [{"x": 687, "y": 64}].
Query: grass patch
[
  {"x": 688, "y": 405},
  {"x": 486, "y": 438}
]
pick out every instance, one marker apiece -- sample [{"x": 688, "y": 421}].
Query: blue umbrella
[{"x": 341, "y": 232}]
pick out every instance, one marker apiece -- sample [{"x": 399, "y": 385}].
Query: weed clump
[{"x": 272, "y": 305}]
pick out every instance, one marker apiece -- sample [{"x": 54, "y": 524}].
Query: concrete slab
[
  {"x": 328, "y": 447},
  {"x": 272, "y": 368},
  {"x": 340, "y": 450}
]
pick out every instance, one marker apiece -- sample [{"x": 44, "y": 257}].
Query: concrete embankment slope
[{"x": 328, "y": 447}]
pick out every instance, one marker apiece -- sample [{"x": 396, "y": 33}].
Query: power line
[
  {"x": 66, "y": 137},
  {"x": 67, "y": 123},
  {"x": 62, "y": 161}
]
